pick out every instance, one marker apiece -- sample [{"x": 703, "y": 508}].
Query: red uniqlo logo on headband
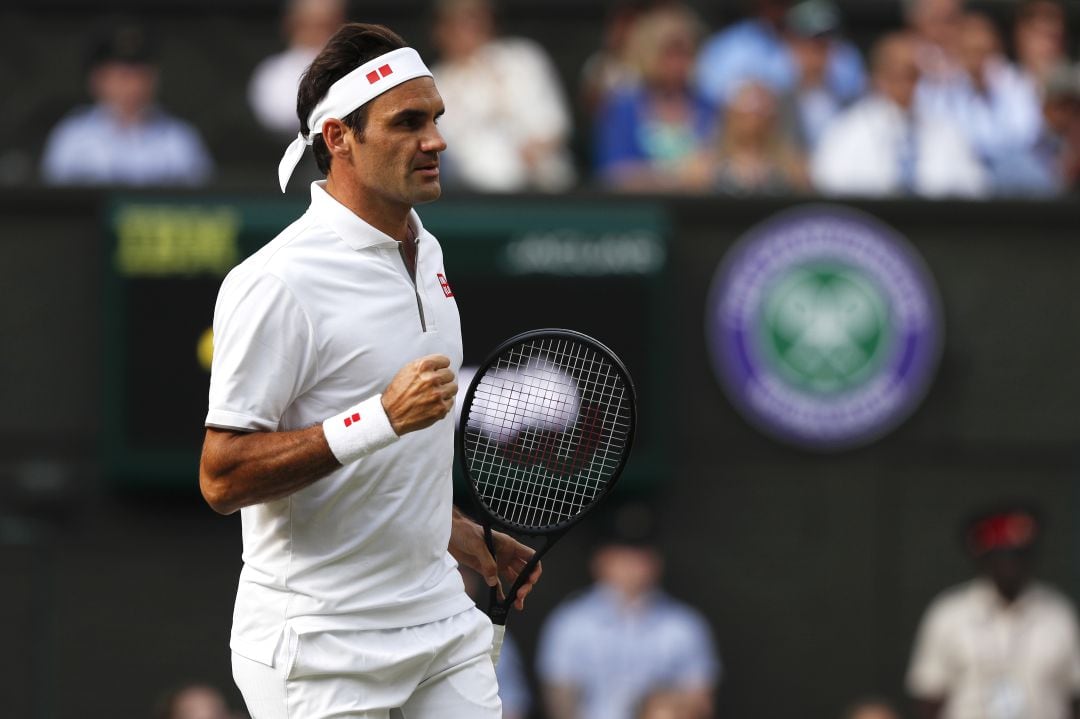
[
  {"x": 350, "y": 420},
  {"x": 374, "y": 76},
  {"x": 445, "y": 285}
]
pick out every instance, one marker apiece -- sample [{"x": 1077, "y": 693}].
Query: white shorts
[{"x": 440, "y": 670}]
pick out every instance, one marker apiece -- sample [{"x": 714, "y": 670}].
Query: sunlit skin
[{"x": 393, "y": 164}]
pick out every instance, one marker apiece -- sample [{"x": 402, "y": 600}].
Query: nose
[{"x": 433, "y": 140}]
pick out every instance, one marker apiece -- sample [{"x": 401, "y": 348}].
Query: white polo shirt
[
  {"x": 992, "y": 660},
  {"x": 316, "y": 321}
]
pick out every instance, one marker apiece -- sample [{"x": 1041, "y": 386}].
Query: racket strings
[{"x": 546, "y": 431}]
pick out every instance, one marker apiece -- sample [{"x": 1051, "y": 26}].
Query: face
[
  {"x": 128, "y": 88},
  {"x": 896, "y": 74},
  {"x": 1041, "y": 36},
  {"x": 978, "y": 44},
  {"x": 937, "y": 20},
  {"x": 313, "y": 22},
  {"x": 396, "y": 158},
  {"x": 463, "y": 29},
  {"x": 631, "y": 570},
  {"x": 751, "y": 113},
  {"x": 873, "y": 711},
  {"x": 773, "y": 10},
  {"x": 200, "y": 703},
  {"x": 675, "y": 61},
  {"x": 1010, "y": 571},
  {"x": 812, "y": 56}
]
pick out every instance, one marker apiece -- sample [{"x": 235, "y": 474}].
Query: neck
[
  {"x": 389, "y": 218},
  {"x": 127, "y": 116}
]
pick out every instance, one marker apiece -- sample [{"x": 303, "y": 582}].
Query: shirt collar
[
  {"x": 993, "y": 601},
  {"x": 350, "y": 227}
]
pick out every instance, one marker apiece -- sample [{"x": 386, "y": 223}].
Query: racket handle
[{"x": 497, "y": 642}]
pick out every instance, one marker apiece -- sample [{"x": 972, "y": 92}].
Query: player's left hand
[{"x": 467, "y": 546}]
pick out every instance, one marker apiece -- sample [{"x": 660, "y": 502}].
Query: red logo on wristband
[{"x": 350, "y": 420}]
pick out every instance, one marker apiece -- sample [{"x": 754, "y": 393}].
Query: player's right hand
[{"x": 421, "y": 394}]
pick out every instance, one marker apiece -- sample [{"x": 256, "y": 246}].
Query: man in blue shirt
[
  {"x": 605, "y": 653},
  {"x": 124, "y": 138},
  {"x": 755, "y": 49}
]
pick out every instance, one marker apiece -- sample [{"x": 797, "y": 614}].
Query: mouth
[{"x": 430, "y": 169}]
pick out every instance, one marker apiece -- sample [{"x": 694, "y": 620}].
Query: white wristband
[{"x": 359, "y": 431}]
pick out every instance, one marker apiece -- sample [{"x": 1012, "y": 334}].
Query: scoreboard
[{"x": 514, "y": 264}]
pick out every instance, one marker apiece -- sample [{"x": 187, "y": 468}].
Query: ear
[{"x": 337, "y": 138}]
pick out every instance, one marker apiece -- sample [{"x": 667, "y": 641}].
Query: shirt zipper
[{"x": 412, "y": 277}]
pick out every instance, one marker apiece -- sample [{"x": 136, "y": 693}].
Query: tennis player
[{"x": 329, "y": 428}]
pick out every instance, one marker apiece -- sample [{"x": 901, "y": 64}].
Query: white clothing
[
  {"x": 502, "y": 99},
  {"x": 317, "y": 320},
  {"x": 1006, "y": 118},
  {"x": 992, "y": 660},
  {"x": 440, "y": 670},
  {"x": 273, "y": 85},
  {"x": 861, "y": 153}
]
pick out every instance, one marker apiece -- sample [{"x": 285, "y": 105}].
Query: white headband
[{"x": 360, "y": 86}]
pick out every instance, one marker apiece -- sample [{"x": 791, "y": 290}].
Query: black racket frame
[{"x": 499, "y": 610}]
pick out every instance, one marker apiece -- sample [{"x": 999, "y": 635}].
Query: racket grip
[{"x": 497, "y": 642}]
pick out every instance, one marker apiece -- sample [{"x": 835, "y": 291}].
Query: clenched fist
[{"x": 420, "y": 394}]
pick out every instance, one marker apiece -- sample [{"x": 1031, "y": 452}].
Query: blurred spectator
[
  {"x": 510, "y": 671},
  {"x": 1039, "y": 39},
  {"x": 885, "y": 145},
  {"x": 194, "y": 701},
  {"x": 307, "y": 25},
  {"x": 507, "y": 123},
  {"x": 611, "y": 68},
  {"x": 652, "y": 137},
  {"x": 1001, "y": 646},
  {"x": 124, "y": 138},
  {"x": 813, "y": 28},
  {"x": 989, "y": 98},
  {"x": 1051, "y": 165},
  {"x": 871, "y": 709},
  {"x": 753, "y": 156},
  {"x": 606, "y": 653},
  {"x": 755, "y": 49},
  {"x": 935, "y": 24}
]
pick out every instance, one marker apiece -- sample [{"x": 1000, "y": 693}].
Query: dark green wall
[{"x": 813, "y": 569}]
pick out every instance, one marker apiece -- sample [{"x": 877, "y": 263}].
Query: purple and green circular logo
[{"x": 824, "y": 327}]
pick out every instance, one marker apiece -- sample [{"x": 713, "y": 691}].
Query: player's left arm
[{"x": 467, "y": 546}]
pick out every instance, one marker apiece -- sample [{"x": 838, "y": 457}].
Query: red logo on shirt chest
[{"x": 445, "y": 285}]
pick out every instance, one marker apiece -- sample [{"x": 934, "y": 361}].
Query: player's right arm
[{"x": 240, "y": 468}]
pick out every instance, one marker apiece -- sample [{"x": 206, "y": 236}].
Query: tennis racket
[{"x": 546, "y": 428}]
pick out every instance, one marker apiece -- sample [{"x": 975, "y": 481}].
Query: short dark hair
[{"x": 350, "y": 47}]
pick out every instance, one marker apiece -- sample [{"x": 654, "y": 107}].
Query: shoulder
[
  {"x": 81, "y": 120},
  {"x": 625, "y": 100},
  {"x": 681, "y": 615},
  {"x": 955, "y": 602},
  {"x": 519, "y": 49},
  {"x": 1053, "y": 600},
  {"x": 172, "y": 125},
  {"x": 573, "y": 612},
  {"x": 281, "y": 258}
]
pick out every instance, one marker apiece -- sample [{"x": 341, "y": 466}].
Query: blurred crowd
[
  {"x": 1001, "y": 645},
  {"x": 952, "y": 103}
]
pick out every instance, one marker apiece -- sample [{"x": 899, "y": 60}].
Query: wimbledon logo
[{"x": 824, "y": 327}]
